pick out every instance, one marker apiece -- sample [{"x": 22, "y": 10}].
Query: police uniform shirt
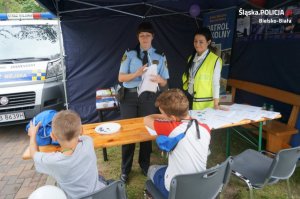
[{"x": 131, "y": 63}]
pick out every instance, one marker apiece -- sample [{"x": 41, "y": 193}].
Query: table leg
[
  {"x": 105, "y": 154},
  {"x": 100, "y": 116},
  {"x": 260, "y": 135},
  {"x": 228, "y": 140}
]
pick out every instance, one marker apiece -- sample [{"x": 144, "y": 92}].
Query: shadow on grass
[{"x": 235, "y": 189}]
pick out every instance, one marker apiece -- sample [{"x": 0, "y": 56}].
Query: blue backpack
[
  {"x": 168, "y": 144},
  {"x": 43, "y": 135}
]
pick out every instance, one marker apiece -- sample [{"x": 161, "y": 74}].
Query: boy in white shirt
[{"x": 190, "y": 153}]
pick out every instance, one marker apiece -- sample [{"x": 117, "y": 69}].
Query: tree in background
[{"x": 9, "y": 6}]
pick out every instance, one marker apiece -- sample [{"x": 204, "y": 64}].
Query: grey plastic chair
[
  {"x": 115, "y": 190},
  {"x": 258, "y": 170},
  {"x": 205, "y": 185}
]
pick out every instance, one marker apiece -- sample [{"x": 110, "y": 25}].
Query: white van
[{"x": 30, "y": 66}]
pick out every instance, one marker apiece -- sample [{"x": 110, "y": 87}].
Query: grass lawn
[{"x": 235, "y": 189}]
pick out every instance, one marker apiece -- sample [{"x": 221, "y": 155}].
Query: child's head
[
  {"x": 66, "y": 125},
  {"x": 173, "y": 102}
]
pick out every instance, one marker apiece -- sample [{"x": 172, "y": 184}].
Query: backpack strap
[{"x": 197, "y": 127}]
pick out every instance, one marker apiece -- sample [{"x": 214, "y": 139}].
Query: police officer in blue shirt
[{"x": 134, "y": 64}]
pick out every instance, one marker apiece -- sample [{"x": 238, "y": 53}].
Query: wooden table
[{"x": 134, "y": 131}]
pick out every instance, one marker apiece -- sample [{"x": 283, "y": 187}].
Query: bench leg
[{"x": 274, "y": 143}]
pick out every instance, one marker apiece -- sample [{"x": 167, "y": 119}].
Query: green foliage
[{"x": 11, "y": 6}]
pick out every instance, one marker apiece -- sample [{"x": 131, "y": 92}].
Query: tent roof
[
  {"x": 147, "y": 8},
  {"x": 138, "y": 8}
]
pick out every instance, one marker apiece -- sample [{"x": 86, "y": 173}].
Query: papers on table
[
  {"x": 146, "y": 83},
  {"x": 151, "y": 131},
  {"x": 236, "y": 113}
]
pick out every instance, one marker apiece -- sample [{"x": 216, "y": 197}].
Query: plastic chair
[
  {"x": 207, "y": 184},
  {"x": 258, "y": 170},
  {"x": 115, "y": 190}
]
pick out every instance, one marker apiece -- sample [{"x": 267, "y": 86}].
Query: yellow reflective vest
[{"x": 203, "y": 83}]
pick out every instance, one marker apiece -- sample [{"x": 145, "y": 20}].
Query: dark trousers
[{"x": 134, "y": 106}]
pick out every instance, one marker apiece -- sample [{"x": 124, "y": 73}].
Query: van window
[{"x": 19, "y": 42}]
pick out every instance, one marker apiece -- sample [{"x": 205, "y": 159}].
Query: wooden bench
[{"x": 276, "y": 133}]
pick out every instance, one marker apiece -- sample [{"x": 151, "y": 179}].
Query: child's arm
[
  {"x": 33, "y": 148},
  {"x": 149, "y": 120}
]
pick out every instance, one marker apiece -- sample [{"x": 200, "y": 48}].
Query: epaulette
[
  {"x": 131, "y": 49},
  {"x": 159, "y": 52}
]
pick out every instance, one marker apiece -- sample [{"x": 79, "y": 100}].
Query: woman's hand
[
  {"x": 218, "y": 107},
  {"x": 123, "y": 77},
  {"x": 140, "y": 71},
  {"x": 158, "y": 79}
]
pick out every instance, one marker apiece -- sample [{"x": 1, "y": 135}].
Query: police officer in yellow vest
[{"x": 201, "y": 79}]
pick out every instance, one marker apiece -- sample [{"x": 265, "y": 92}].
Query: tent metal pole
[
  {"x": 62, "y": 55},
  {"x": 169, "y": 14},
  {"x": 107, "y": 8},
  {"x": 148, "y": 11},
  {"x": 168, "y": 10},
  {"x": 223, "y": 9},
  {"x": 95, "y": 8}
]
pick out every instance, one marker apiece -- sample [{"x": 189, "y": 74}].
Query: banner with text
[{"x": 222, "y": 25}]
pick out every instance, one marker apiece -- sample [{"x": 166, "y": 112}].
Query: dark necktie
[{"x": 145, "y": 58}]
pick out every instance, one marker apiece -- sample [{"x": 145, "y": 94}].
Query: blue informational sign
[{"x": 222, "y": 26}]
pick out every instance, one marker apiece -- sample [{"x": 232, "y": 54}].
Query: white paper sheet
[
  {"x": 151, "y": 131},
  {"x": 237, "y": 112},
  {"x": 146, "y": 83}
]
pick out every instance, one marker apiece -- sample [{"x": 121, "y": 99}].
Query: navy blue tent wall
[
  {"x": 95, "y": 62},
  {"x": 274, "y": 63},
  {"x": 96, "y": 35}
]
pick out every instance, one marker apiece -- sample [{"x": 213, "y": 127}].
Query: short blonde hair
[
  {"x": 173, "y": 102},
  {"x": 66, "y": 125}
]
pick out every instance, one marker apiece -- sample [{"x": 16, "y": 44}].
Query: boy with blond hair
[
  {"x": 74, "y": 167},
  {"x": 190, "y": 153}
]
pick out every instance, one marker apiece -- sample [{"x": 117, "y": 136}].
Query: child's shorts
[{"x": 156, "y": 173}]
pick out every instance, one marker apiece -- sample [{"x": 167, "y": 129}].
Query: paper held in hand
[{"x": 146, "y": 83}]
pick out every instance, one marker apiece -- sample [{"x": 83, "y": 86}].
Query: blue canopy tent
[{"x": 96, "y": 34}]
